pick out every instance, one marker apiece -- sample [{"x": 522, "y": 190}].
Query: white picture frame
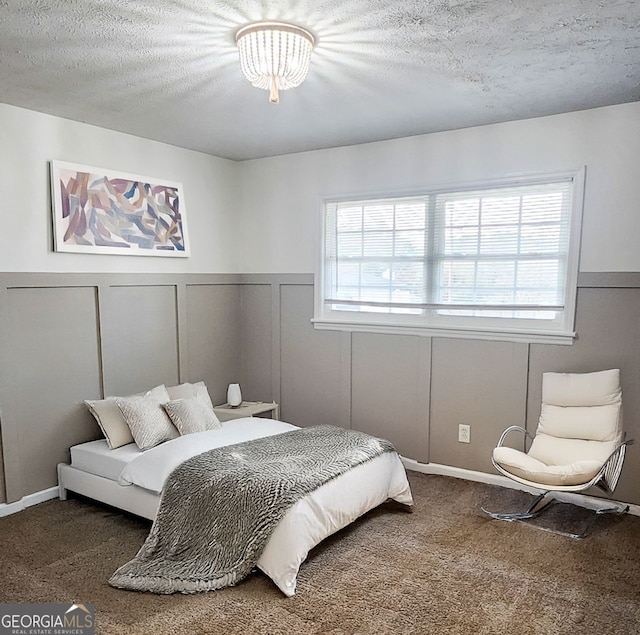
[{"x": 101, "y": 211}]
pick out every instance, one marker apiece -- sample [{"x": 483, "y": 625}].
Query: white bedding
[
  {"x": 318, "y": 515},
  {"x": 327, "y": 510}
]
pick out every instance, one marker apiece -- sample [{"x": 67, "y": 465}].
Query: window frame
[{"x": 473, "y": 327}]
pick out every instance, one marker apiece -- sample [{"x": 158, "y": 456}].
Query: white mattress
[{"x": 96, "y": 458}]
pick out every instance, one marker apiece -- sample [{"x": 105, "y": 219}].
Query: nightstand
[{"x": 225, "y": 412}]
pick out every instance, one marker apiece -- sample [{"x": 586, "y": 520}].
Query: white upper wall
[
  {"x": 29, "y": 140},
  {"x": 280, "y": 196},
  {"x": 263, "y": 216}
]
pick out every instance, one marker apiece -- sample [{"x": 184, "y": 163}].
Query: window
[{"x": 497, "y": 260}]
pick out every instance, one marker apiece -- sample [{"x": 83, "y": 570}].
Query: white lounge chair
[{"x": 579, "y": 442}]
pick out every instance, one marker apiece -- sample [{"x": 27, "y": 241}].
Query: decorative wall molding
[
  {"x": 310, "y": 373},
  {"x": 27, "y": 406},
  {"x": 616, "y": 279}
]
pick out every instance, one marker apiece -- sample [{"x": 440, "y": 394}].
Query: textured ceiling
[{"x": 168, "y": 69}]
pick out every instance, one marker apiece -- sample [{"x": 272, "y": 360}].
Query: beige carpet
[{"x": 443, "y": 569}]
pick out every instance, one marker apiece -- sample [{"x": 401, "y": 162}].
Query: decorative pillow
[
  {"x": 147, "y": 420},
  {"x": 111, "y": 422},
  {"x": 110, "y": 419},
  {"x": 187, "y": 390},
  {"x": 192, "y": 415}
]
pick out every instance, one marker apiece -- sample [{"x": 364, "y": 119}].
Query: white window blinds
[
  {"x": 377, "y": 254},
  {"x": 503, "y": 252},
  {"x": 495, "y": 252}
]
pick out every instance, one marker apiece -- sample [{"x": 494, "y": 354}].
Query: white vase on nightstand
[{"x": 234, "y": 396}]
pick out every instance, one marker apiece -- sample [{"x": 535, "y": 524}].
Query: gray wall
[
  {"x": 69, "y": 337},
  {"x": 65, "y": 338},
  {"x": 416, "y": 390}
]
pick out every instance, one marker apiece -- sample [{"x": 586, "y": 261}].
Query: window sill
[{"x": 530, "y": 337}]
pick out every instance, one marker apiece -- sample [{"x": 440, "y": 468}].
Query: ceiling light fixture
[{"x": 274, "y": 55}]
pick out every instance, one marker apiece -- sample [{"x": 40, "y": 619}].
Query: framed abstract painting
[{"x": 98, "y": 211}]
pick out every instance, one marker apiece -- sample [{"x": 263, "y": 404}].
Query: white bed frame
[{"x": 130, "y": 498}]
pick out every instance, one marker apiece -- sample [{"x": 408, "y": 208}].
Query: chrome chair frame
[{"x": 606, "y": 479}]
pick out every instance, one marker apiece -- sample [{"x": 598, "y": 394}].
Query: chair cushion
[
  {"x": 530, "y": 469},
  {"x": 582, "y": 389},
  {"x": 594, "y": 423},
  {"x": 555, "y": 451}
]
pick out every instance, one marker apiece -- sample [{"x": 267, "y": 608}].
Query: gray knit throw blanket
[{"x": 219, "y": 508}]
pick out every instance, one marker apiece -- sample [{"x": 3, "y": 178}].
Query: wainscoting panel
[
  {"x": 69, "y": 337},
  {"x": 479, "y": 383},
  {"x": 53, "y": 357},
  {"x": 3, "y": 494},
  {"x": 608, "y": 327},
  {"x": 256, "y": 376},
  {"x": 311, "y": 378},
  {"x": 140, "y": 344},
  {"x": 65, "y": 338},
  {"x": 390, "y": 390},
  {"x": 213, "y": 337}
]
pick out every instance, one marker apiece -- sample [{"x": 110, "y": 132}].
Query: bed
[{"x": 132, "y": 480}]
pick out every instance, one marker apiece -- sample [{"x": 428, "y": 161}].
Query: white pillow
[
  {"x": 187, "y": 390},
  {"x": 110, "y": 419},
  {"x": 147, "y": 420},
  {"x": 192, "y": 415},
  {"x": 111, "y": 422}
]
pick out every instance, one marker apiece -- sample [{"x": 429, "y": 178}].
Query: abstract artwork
[{"x": 104, "y": 212}]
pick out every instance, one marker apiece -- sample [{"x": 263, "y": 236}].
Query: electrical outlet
[{"x": 464, "y": 433}]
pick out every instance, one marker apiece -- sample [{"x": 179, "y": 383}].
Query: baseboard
[
  {"x": 591, "y": 502},
  {"x": 6, "y": 509}
]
